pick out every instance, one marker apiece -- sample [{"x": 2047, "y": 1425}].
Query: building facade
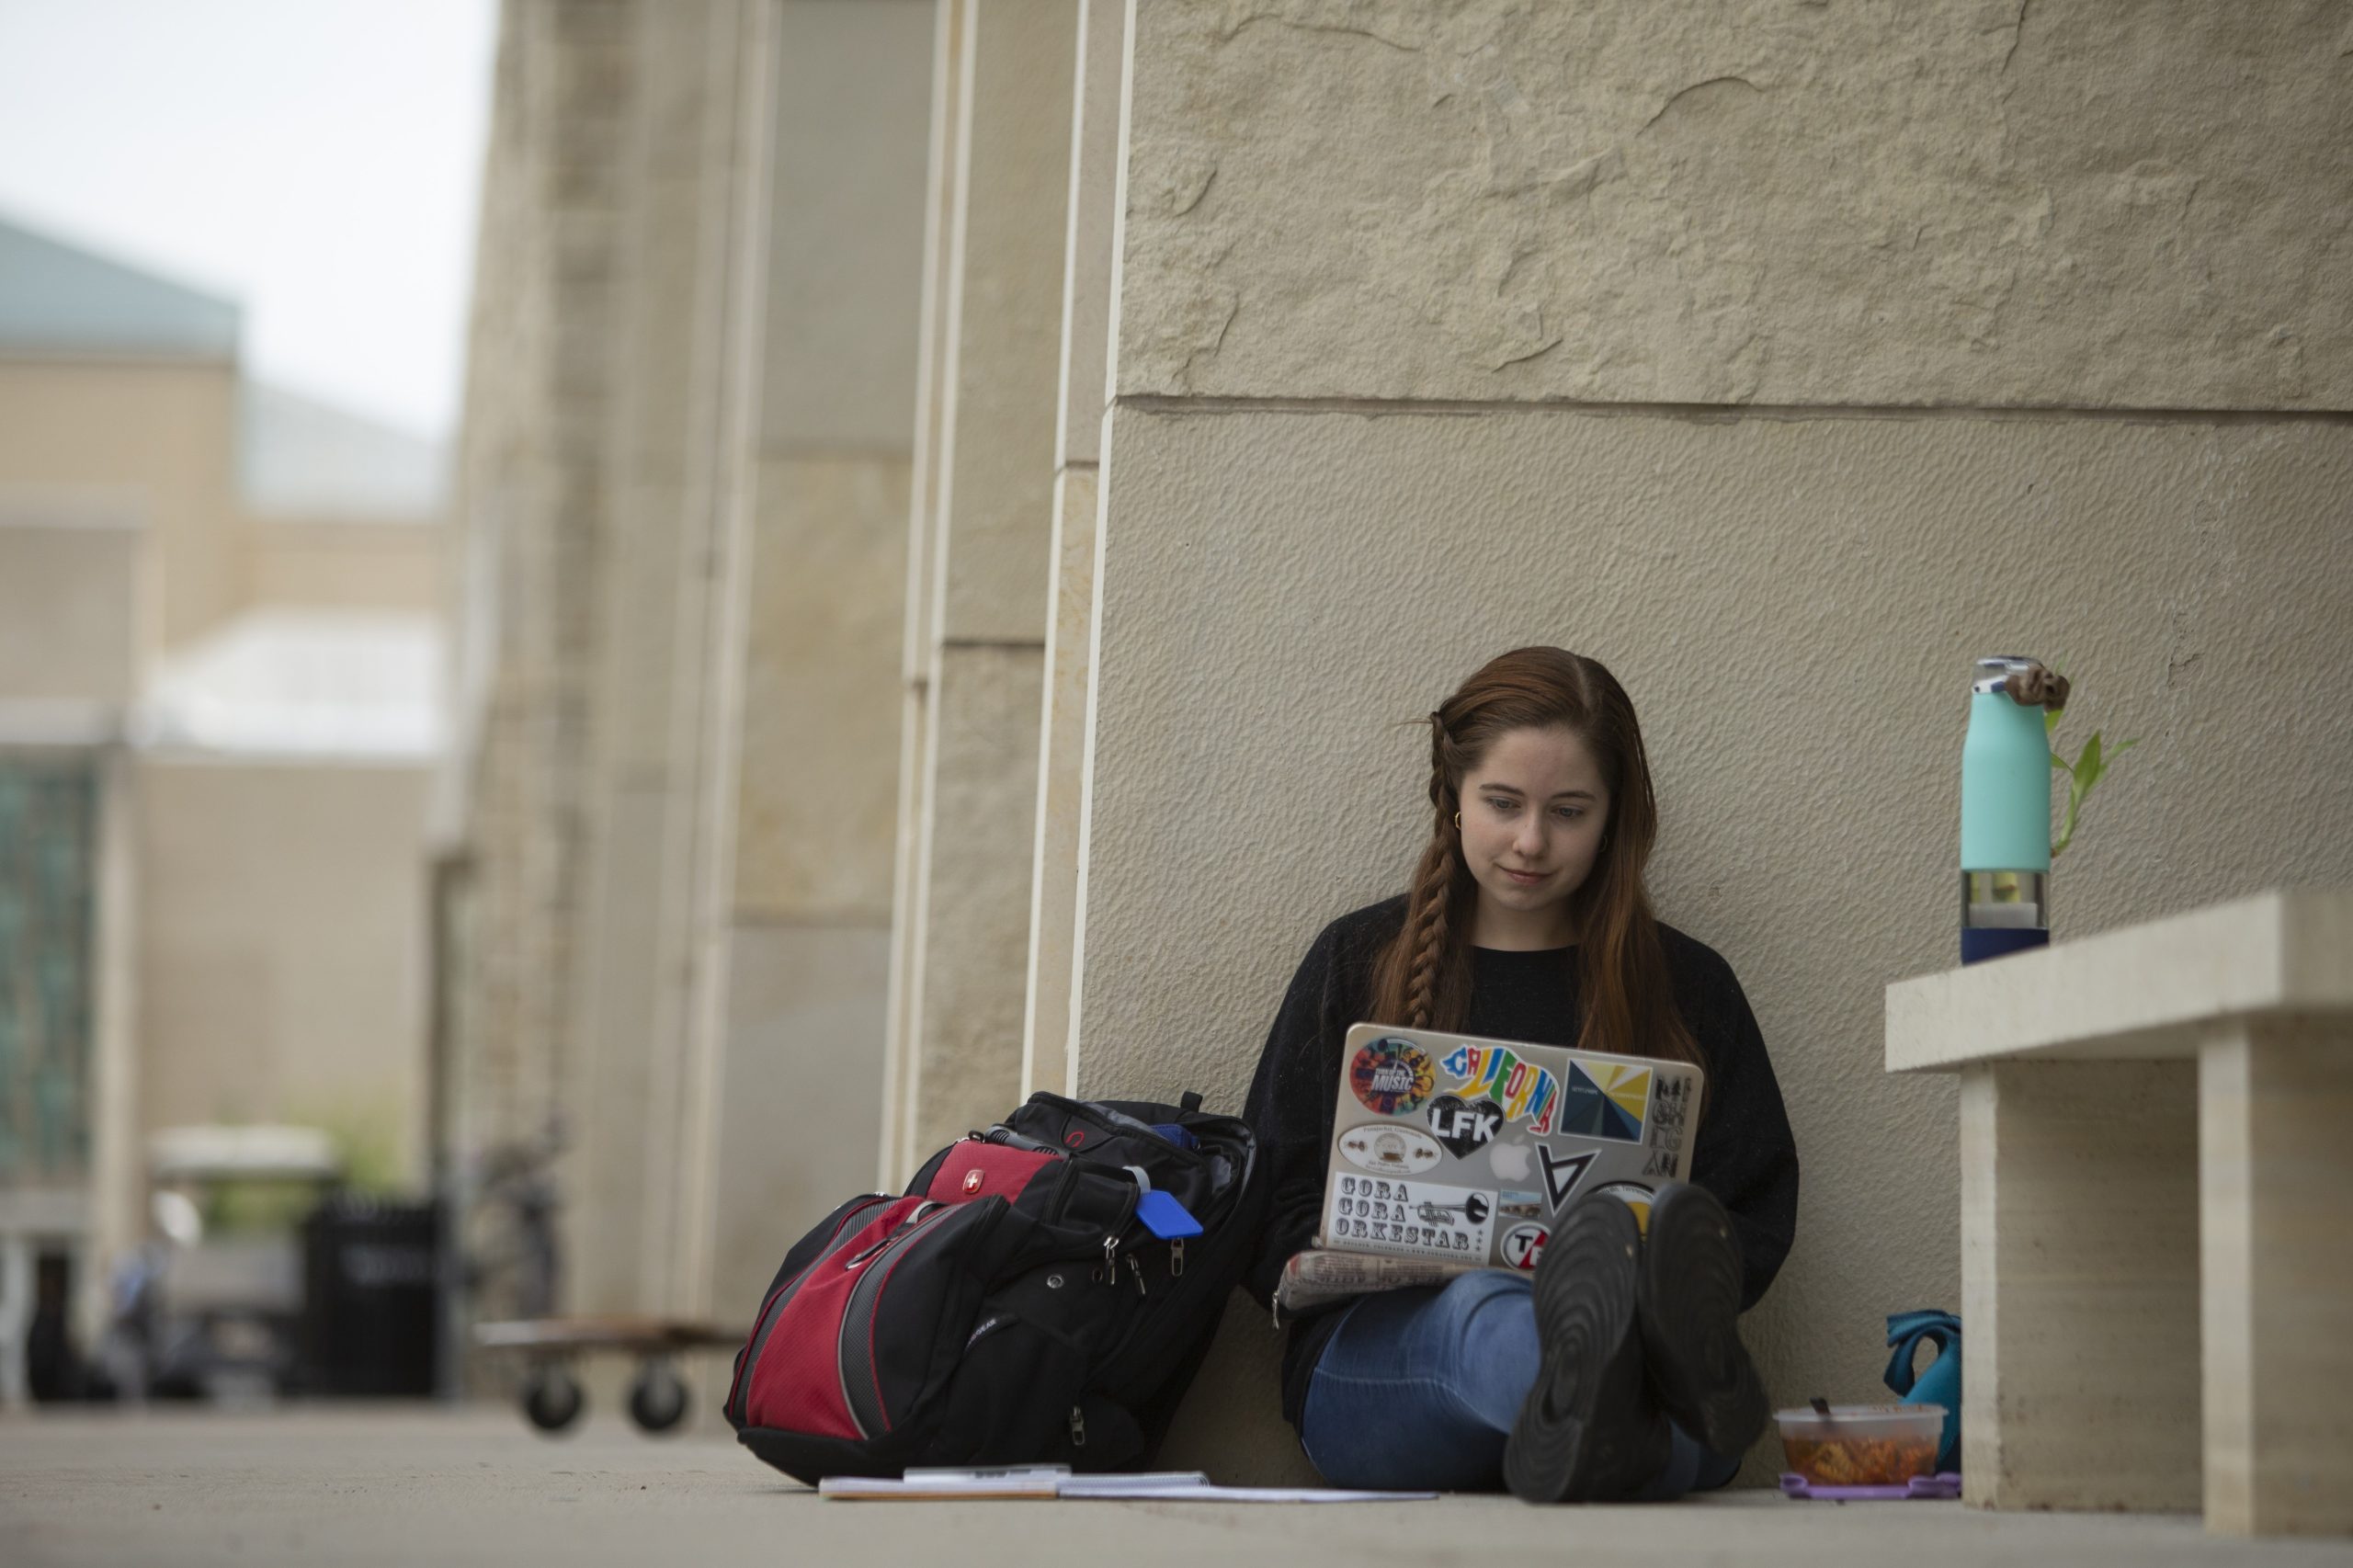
[
  {"x": 1243, "y": 377},
  {"x": 218, "y": 637}
]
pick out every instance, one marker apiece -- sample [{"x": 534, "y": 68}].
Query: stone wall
[
  {"x": 829, "y": 480},
  {"x": 1784, "y": 357},
  {"x": 529, "y": 515},
  {"x": 685, "y": 483},
  {"x": 977, "y": 665}
]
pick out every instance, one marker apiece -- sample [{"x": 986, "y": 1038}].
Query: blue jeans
[{"x": 1419, "y": 1390}]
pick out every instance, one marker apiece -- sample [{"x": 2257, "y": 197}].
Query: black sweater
[{"x": 1745, "y": 1153}]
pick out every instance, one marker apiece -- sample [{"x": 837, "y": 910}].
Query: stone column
[
  {"x": 639, "y": 786},
  {"x": 1784, "y": 361},
  {"x": 1062, "y": 743},
  {"x": 960, "y": 990},
  {"x": 932, "y": 362},
  {"x": 827, "y": 471},
  {"x": 531, "y": 520}
]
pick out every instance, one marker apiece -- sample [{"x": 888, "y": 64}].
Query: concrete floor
[{"x": 473, "y": 1487}]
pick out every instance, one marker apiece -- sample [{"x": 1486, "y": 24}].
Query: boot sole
[
  {"x": 1690, "y": 1304},
  {"x": 1584, "y": 1431}
]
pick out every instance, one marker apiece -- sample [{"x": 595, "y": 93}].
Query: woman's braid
[
  {"x": 1432, "y": 897},
  {"x": 1433, "y": 891}
]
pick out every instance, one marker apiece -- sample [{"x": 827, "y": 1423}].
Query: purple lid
[{"x": 1946, "y": 1484}]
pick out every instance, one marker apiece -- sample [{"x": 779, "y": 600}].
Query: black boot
[
  {"x": 1689, "y": 1296},
  {"x": 1589, "y": 1429}
]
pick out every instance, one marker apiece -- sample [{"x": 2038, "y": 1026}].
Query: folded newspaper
[{"x": 1316, "y": 1279}]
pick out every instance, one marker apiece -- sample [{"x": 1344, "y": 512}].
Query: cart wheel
[
  {"x": 657, "y": 1399},
  {"x": 551, "y": 1399}
]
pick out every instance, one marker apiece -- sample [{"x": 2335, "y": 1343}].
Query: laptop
[{"x": 1457, "y": 1150}]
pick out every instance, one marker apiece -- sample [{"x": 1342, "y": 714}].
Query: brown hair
[{"x": 1423, "y": 978}]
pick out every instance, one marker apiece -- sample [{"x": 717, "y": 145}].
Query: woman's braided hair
[{"x": 1422, "y": 979}]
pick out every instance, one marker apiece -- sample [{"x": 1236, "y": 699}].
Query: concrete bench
[{"x": 2156, "y": 1167}]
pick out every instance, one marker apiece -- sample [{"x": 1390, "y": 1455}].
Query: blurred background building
[{"x": 220, "y": 643}]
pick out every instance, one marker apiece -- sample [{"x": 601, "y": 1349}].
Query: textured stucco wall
[
  {"x": 1360, "y": 240},
  {"x": 1955, "y": 201},
  {"x": 1792, "y": 603}
]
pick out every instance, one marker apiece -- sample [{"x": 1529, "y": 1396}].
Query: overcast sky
[{"x": 316, "y": 160}]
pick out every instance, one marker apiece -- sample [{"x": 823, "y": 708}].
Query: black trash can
[{"x": 370, "y": 1306}]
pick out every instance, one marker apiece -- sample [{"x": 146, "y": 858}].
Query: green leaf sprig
[{"x": 2084, "y": 774}]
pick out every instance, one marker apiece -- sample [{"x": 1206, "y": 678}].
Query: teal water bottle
[{"x": 2005, "y": 817}]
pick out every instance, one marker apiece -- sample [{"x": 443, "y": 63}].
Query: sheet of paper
[
  {"x": 1152, "y": 1482},
  {"x": 875, "y": 1488},
  {"x": 1206, "y": 1494},
  {"x": 1056, "y": 1481}
]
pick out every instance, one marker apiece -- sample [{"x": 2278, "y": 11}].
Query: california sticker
[
  {"x": 1392, "y": 1077},
  {"x": 1521, "y": 1088}
]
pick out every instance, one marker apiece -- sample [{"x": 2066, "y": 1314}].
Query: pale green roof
[{"x": 58, "y": 298}]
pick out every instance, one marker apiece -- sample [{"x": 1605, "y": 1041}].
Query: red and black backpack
[{"x": 1010, "y": 1307}]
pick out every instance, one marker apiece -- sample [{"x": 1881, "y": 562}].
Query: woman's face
[{"x": 1533, "y": 813}]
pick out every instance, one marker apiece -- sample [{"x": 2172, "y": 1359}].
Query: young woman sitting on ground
[{"x": 1618, "y": 1373}]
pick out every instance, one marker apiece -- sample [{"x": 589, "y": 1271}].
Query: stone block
[
  {"x": 1061, "y": 772},
  {"x": 816, "y": 804},
  {"x": 1005, "y": 315},
  {"x": 1970, "y": 202},
  {"x": 974, "y": 901},
  {"x": 802, "y": 1092},
  {"x": 853, "y": 102},
  {"x": 2080, "y": 1285},
  {"x": 1094, "y": 225},
  {"x": 2276, "y": 1175}
]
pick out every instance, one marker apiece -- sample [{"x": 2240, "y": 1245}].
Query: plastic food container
[{"x": 1862, "y": 1444}]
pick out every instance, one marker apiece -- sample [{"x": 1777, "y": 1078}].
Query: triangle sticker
[{"x": 1561, "y": 1172}]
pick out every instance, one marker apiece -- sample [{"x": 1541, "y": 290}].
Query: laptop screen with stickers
[{"x": 1461, "y": 1151}]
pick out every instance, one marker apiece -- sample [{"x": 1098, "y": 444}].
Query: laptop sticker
[
  {"x": 1520, "y": 1205},
  {"x": 1413, "y": 1217},
  {"x": 1670, "y": 1109},
  {"x": 1522, "y": 1088},
  {"x": 1523, "y": 1245},
  {"x": 1661, "y": 1164},
  {"x": 1392, "y": 1077},
  {"x": 1389, "y": 1151},
  {"x": 1562, "y": 1172},
  {"x": 1465, "y": 1127},
  {"x": 1605, "y": 1100}
]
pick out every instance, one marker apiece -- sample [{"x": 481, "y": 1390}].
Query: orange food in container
[{"x": 1862, "y": 1444}]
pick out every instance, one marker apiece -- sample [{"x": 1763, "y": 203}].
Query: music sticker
[
  {"x": 1415, "y": 1218},
  {"x": 1392, "y": 1077}
]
